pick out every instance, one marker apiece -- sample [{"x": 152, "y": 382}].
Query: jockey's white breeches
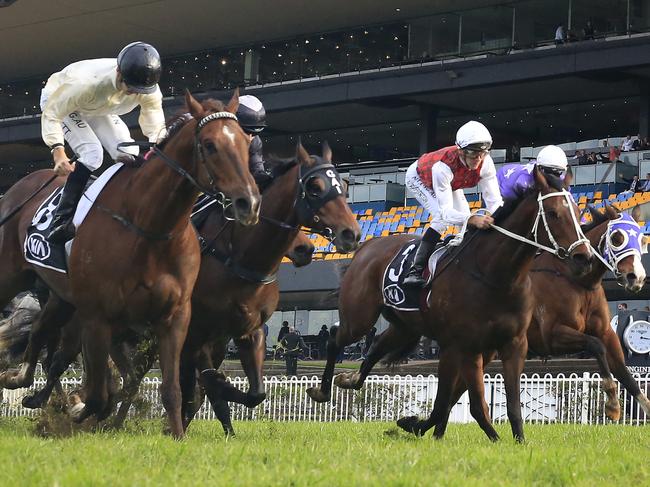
[
  {"x": 427, "y": 198},
  {"x": 88, "y": 136}
]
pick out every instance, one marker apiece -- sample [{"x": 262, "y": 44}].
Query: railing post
[{"x": 584, "y": 403}]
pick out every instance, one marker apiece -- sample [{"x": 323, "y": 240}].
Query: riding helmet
[
  {"x": 139, "y": 64},
  {"x": 251, "y": 114},
  {"x": 474, "y": 136},
  {"x": 552, "y": 157}
]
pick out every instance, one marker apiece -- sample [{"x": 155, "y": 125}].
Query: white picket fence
[{"x": 545, "y": 399}]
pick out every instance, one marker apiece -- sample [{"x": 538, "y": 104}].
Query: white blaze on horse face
[
  {"x": 639, "y": 272},
  {"x": 229, "y": 133}
]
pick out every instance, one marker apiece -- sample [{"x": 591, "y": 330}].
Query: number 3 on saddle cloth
[
  {"x": 408, "y": 298},
  {"x": 38, "y": 250}
]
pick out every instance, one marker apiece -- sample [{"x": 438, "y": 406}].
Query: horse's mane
[
  {"x": 598, "y": 217},
  {"x": 280, "y": 165},
  {"x": 175, "y": 123}
]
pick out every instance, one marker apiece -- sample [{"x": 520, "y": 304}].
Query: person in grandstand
[
  {"x": 437, "y": 180},
  {"x": 252, "y": 119},
  {"x": 517, "y": 179},
  {"x": 81, "y": 105}
]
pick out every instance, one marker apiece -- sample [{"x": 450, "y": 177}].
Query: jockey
[
  {"x": 252, "y": 119},
  {"x": 437, "y": 180},
  {"x": 517, "y": 179},
  {"x": 81, "y": 104}
]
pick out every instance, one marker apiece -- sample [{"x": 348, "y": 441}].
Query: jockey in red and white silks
[{"x": 437, "y": 180}]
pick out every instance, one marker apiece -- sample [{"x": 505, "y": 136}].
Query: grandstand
[{"x": 381, "y": 82}]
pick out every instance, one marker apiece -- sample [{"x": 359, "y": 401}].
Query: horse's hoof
[
  {"x": 13, "y": 380},
  {"x": 613, "y": 411},
  {"x": 229, "y": 431},
  {"x": 317, "y": 394},
  {"x": 32, "y": 402},
  {"x": 80, "y": 414},
  {"x": 253, "y": 400},
  {"x": 411, "y": 424}
]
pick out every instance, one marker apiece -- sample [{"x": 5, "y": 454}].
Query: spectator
[
  {"x": 581, "y": 157},
  {"x": 370, "y": 338},
  {"x": 283, "y": 330},
  {"x": 614, "y": 154},
  {"x": 621, "y": 307},
  {"x": 645, "y": 185},
  {"x": 645, "y": 144},
  {"x": 265, "y": 327},
  {"x": 588, "y": 30},
  {"x": 627, "y": 144},
  {"x": 323, "y": 336},
  {"x": 293, "y": 344},
  {"x": 636, "y": 144},
  {"x": 515, "y": 152},
  {"x": 591, "y": 158},
  {"x": 560, "y": 35}
]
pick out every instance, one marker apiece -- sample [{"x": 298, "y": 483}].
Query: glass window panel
[
  {"x": 435, "y": 36},
  {"x": 487, "y": 29},
  {"x": 537, "y": 20},
  {"x": 605, "y": 17}
]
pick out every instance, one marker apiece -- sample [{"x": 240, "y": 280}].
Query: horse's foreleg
[
  {"x": 566, "y": 340},
  {"x": 472, "y": 374},
  {"x": 513, "y": 356},
  {"x": 54, "y": 315},
  {"x": 70, "y": 348},
  {"x": 616, "y": 360},
  {"x": 252, "y": 351},
  {"x": 324, "y": 392},
  {"x": 220, "y": 406},
  {"x": 96, "y": 340},
  {"x": 171, "y": 336}
]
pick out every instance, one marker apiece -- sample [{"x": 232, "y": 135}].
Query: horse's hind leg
[
  {"x": 63, "y": 357},
  {"x": 448, "y": 370},
  {"x": 252, "y": 349},
  {"x": 392, "y": 340},
  {"x": 54, "y": 315},
  {"x": 472, "y": 373},
  {"x": 566, "y": 340},
  {"x": 616, "y": 361}
]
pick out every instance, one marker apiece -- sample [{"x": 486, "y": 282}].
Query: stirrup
[{"x": 414, "y": 278}]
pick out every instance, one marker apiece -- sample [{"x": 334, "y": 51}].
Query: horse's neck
[
  {"x": 504, "y": 260},
  {"x": 158, "y": 198},
  {"x": 263, "y": 246}
]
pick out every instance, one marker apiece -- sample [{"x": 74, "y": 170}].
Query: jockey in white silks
[
  {"x": 81, "y": 105},
  {"x": 437, "y": 180}
]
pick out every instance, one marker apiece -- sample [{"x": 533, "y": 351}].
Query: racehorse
[
  {"x": 480, "y": 299},
  {"x": 145, "y": 273},
  {"x": 571, "y": 313}
]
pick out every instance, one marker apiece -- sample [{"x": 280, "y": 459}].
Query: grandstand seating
[{"x": 375, "y": 221}]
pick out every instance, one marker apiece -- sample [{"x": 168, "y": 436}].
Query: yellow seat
[
  {"x": 612, "y": 197},
  {"x": 384, "y": 233},
  {"x": 598, "y": 195}
]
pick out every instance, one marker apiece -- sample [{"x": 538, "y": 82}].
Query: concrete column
[
  {"x": 644, "y": 109},
  {"x": 428, "y": 132}
]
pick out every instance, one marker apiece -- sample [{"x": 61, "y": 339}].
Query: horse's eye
[
  {"x": 617, "y": 239},
  {"x": 209, "y": 146},
  {"x": 315, "y": 187}
]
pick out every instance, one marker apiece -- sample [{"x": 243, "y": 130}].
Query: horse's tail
[
  {"x": 14, "y": 336},
  {"x": 402, "y": 353}
]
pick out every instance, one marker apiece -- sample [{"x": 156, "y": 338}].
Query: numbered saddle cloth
[
  {"x": 38, "y": 250},
  {"x": 407, "y": 298}
]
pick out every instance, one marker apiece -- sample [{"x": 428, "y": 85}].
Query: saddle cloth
[
  {"x": 407, "y": 298},
  {"x": 37, "y": 249}
]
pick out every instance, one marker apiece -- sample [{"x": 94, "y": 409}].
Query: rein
[{"x": 218, "y": 196}]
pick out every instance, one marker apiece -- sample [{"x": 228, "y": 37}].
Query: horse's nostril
[
  {"x": 581, "y": 260},
  {"x": 631, "y": 277},
  {"x": 242, "y": 205},
  {"x": 348, "y": 235}
]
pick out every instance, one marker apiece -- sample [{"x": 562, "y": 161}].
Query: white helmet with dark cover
[
  {"x": 474, "y": 136},
  {"x": 552, "y": 158},
  {"x": 251, "y": 114}
]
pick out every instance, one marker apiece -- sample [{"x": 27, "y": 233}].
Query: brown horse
[
  {"x": 571, "y": 313},
  {"x": 480, "y": 300},
  {"x": 147, "y": 271}
]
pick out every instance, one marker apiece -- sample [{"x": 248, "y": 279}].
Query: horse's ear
[
  {"x": 233, "y": 104},
  {"x": 193, "y": 106},
  {"x": 636, "y": 213},
  {"x": 540, "y": 180},
  {"x": 327, "y": 152},
  {"x": 302, "y": 155}
]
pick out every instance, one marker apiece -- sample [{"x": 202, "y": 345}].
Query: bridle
[
  {"x": 609, "y": 254},
  {"x": 199, "y": 159},
  {"x": 557, "y": 250}
]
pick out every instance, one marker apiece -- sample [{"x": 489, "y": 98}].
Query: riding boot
[
  {"x": 62, "y": 226},
  {"x": 426, "y": 247}
]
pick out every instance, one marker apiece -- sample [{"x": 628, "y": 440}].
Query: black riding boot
[
  {"x": 427, "y": 244},
  {"x": 62, "y": 227}
]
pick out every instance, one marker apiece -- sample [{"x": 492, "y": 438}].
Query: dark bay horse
[
  {"x": 146, "y": 272},
  {"x": 481, "y": 300},
  {"x": 571, "y": 313}
]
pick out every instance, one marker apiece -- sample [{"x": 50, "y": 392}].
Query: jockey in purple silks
[{"x": 516, "y": 179}]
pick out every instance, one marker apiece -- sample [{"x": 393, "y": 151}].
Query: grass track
[{"x": 266, "y": 453}]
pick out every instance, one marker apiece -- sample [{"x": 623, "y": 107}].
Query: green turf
[{"x": 347, "y": 454}]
